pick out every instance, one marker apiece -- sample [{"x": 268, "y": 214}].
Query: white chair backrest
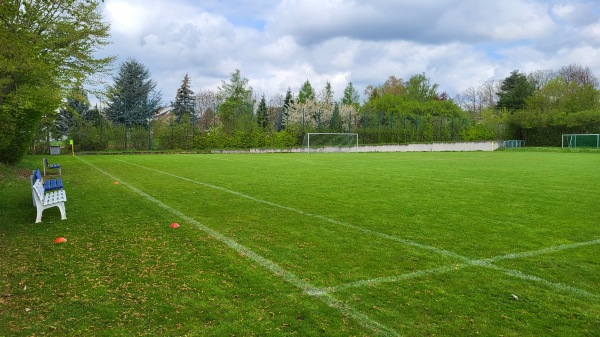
[{"x": 39, "y": 189}]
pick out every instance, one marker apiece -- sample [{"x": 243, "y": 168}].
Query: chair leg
[
  {"x": 63, "y": 213},
  {"x": 38, "y": 218}
]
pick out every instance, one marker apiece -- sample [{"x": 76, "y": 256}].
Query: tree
[
  {"x": 262, "y": 115},
  {"x": 351, "y": 96},
  {"x": 336, "y": 119},
  {"x": 206, "y": 103},
  {"x": 235, "y": 111},
  {"x": 46, "y": 47},
  {"x": 327, "y": 95},
  {"x": 325, "y": 107},
  {"x": 77, "y": 106},
  {"x": 393, "y": 86},
  {"x": 287, "y": 103},
  {"x": 579, "y": 74},
  {"x": 133, "y": 96},
  {"x": 419, "y": 88},
  {"x": 307, "y": 93},
  {"x": 237, "y": 89},
  {"x": 540, "y": 78},
  {"x": 184, "y": 100},
  {"x": 514, "y": 90}
]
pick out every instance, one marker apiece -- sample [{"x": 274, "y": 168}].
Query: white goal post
[
  {"x": 330, "y": 142},
  {"x": 581, "y": 140}
]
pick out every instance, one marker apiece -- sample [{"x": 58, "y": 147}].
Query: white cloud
[{"x": 281, "y": 44}]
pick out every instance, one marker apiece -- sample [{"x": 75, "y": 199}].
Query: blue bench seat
[{"x": 49, "y": 184}]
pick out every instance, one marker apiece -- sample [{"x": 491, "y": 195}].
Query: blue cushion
[{"x": 53, "y": 184}]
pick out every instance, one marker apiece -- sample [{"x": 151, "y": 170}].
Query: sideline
[{"x": 276, "y": 269}]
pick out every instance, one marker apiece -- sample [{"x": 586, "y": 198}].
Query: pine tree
[
  {"x": 513, "y": 91},
  {"x": 184, "y": 100},
  {"x": 336, "y": 119},
  {"x": 132, "y": 98},
  {"x": 262, "y": 114},
  {"x": 307, "y": 93},
  {"x": 351, "y": 96},
  {"x": 287, "y": 103},
  {"x": 236, "y": 109}
]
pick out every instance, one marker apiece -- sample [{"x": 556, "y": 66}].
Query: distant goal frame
[
  {"x": 571, "y": 140},
  {"x": 354, "y": 145}
]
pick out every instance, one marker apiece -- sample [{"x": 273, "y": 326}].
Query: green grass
[{"x": 415, "y": 244}]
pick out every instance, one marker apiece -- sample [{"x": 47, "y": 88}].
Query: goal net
[
  {"x": 581, "y": 140},
  {"x": 330, "y": 142}
]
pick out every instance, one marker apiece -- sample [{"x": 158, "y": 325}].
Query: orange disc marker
[
  {"x": 174, "y": 225},
  {"x": 60, "y": 240}
]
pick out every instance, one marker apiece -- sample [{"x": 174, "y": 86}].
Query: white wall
[{"x": 431, "y": 147}]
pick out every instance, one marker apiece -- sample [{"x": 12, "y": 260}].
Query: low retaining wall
[{"x": 431, "y": 147}]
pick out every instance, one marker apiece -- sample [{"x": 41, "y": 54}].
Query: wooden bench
[
  {"x": 44, "y": 200},
  {"x": 48, "y": 166},
  {"x": 49, "y": 184}
]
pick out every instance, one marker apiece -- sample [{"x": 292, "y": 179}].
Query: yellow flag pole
[{"x": 72, "y": 148}]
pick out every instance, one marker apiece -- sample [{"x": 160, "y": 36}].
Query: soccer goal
[
  {"x": 330, "y": 142},
  {"x": 581, "y": 140}
]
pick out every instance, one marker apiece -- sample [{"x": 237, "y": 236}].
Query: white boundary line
[
  {"x": 542, "y": 251},
  {"x": 486, "y": 263},
  {"x": 273, "y": 267},
  {"x": 478, "y": 263}
]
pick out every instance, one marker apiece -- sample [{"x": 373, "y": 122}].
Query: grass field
[{"x": 500, "y": 243}]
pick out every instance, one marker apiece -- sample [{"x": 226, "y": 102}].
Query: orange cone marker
[
  {"x": 60, "y": 240},
  {"x": 174, "y": 225}
]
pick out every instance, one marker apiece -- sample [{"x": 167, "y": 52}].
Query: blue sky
[{"x": 279, "y": 44}]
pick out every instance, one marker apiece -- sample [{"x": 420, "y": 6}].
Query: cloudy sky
[{"x": 278, "y": 44}]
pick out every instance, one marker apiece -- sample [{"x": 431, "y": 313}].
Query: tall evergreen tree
[
  {"x": 237, "y": 89},
  {"x": 287, "y": 103},
  {"x": 262, "y": 114},
  {"x": 351, "y": 96},
  {"x": 235, "y": 111},
  {"x": 184, "y": 100},
  {"x": 327, "y": 94},
  {"x": 133, "y": 96},
  {"x": 307, "y": 93},
  {"x": 514, "y": 90},
  {"x": 336, "y": 119}
]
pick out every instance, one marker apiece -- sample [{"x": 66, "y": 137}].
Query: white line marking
[
  {"x": 482, "y": 263},
  {"x": 389, "y": 279},
  {"x": 542, "y": 251},
  {"x": 277, "y": 270},
  {"x": 478, "y": 263}
]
